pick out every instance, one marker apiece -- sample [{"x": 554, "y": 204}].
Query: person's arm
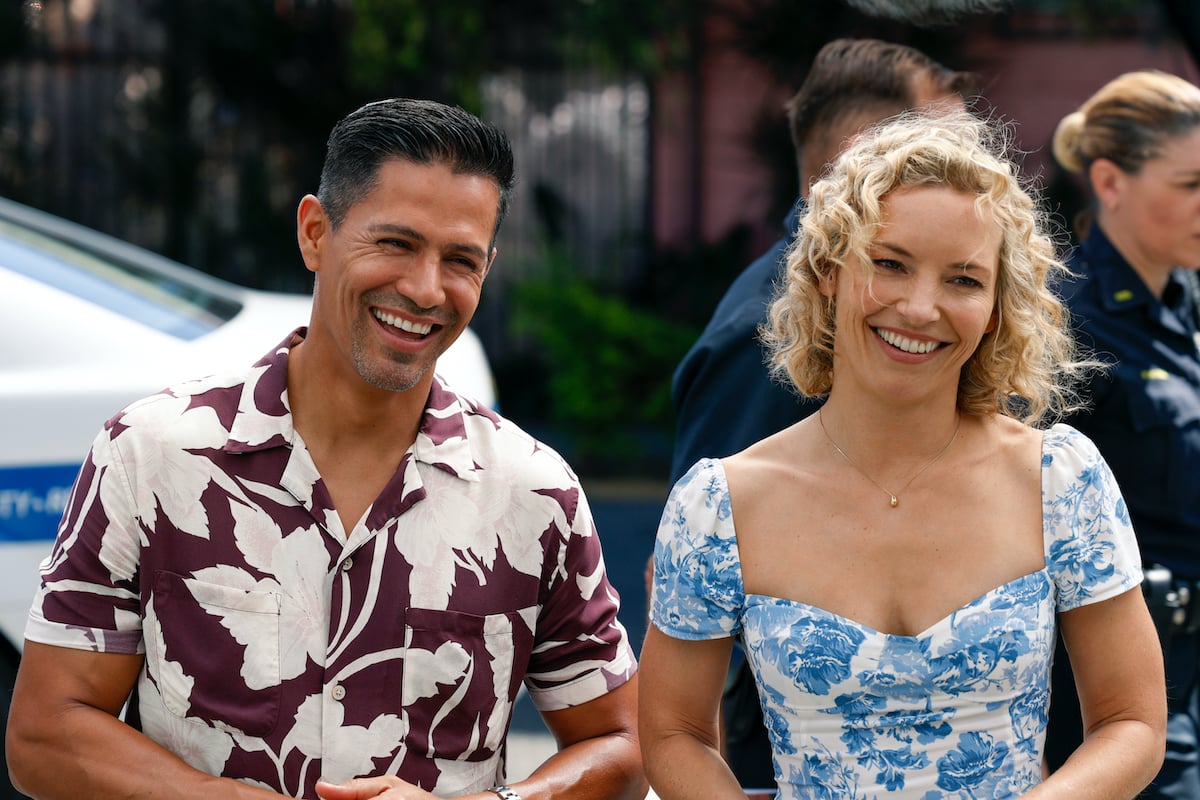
[
  {"x": 598, "y": 754},
  {"x": 597, "y": 759},
  {"x": 65, "y": 739},
  {"x": 1118, "y": 667},
  {"x": 678, "y": 717}
]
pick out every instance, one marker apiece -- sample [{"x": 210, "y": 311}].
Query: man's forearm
[
  {"x": 600, "y": 768},
  {"x": 87, "y": 753}
]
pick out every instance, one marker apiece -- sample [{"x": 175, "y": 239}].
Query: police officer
[{"x": 1134, "y": 301}]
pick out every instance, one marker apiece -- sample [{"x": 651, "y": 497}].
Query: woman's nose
[{"x": 919, "y": 301}]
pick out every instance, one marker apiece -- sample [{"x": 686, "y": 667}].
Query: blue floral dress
[{"x": 958, "y": 711}]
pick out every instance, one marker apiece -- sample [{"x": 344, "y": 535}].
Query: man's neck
[{"x": 355, "y": 433}]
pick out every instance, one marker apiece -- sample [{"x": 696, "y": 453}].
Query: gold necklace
[{"x": 895, "y": 496}]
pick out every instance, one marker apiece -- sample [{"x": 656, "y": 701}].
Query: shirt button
[
  {"x": 347, "y": 564},
  {"x": 338, "y": 692}
]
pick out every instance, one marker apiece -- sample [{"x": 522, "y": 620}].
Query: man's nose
[{"x": 421, "y": 281}]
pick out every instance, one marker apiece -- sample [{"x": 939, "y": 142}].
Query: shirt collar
[
  {"x": 1122, "y": 289},
  {"x": 264, "y": 418},
  {"x": 791, "y": 223},
  {"x": 1180, "y": 298}
]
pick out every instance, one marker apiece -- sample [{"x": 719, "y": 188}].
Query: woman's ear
[
  {"x": 827, "y": 282},
  {"x": 1108, "y": 181}
]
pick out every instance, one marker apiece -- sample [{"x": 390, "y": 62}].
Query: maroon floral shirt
[{"x": 281, "y": 648}]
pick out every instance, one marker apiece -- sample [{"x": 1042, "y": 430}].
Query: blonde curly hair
[{"x": 1027, "y": 367}]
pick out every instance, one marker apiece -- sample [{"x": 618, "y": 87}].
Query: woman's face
[
  {"x": 1154, "y": 216},
  {"x": 908, "y": 323}
]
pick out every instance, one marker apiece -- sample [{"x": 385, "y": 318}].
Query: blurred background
[{"x": 653, "y": 155}]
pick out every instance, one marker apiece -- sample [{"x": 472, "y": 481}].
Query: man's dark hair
[
  {"x": 855, "y": 76},
  {"x": 420, "y": 131}
]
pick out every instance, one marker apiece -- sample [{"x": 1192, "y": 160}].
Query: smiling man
[{"x": 328, "y": 574}]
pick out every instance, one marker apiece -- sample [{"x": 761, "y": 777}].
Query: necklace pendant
[{"x": 895, "y": 501}]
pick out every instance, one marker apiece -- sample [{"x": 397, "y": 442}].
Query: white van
[{"x": 90, "y": 324}]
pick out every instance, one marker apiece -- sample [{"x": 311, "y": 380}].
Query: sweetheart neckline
[{"x": 927, "y": 631}]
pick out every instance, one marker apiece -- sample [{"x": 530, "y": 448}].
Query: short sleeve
[
  {"x": 698, "y": 592},
  {"x": 1091, "y": 551},
  {"x": 582, "y": 650},
  {"x": 88, "y": 598}
]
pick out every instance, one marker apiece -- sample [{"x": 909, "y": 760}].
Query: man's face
[{"x": 400, "y": 278}]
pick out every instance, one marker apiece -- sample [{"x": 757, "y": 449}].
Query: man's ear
[
  {"x": 312, "y": 226},
  {"x": 1108, "y": 181},
  {"x": 487, "y": 268}
]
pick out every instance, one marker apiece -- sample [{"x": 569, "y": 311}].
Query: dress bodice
[{"x": 958, "y": 710}]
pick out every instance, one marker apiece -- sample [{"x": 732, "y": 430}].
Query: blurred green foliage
[
  {"x": 607, "y": 366},
  {"x": 446, "y": 46}
]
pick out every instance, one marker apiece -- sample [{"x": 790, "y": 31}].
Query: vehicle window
[{"x": 136, "y": 291}]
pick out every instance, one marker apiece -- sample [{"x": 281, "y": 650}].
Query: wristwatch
[{"x": 505, "y": 793}]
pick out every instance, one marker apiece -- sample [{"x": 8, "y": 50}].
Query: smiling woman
[{"x": 901, "y": 563}]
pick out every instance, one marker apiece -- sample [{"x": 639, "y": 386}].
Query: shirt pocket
[
  {"x": 214, "y": 653},
  {"x": 461, "y": 677},
  {"x": 1152, "y": 462}
]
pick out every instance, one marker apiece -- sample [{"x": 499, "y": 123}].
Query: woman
[
  {"x": 1137, "y": 141},
  {"x": 900, "y": 561}
]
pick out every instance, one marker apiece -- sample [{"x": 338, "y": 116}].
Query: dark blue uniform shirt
[
  {"x": 722, "y": 392},
  {"x": 1145, "y": 413}
]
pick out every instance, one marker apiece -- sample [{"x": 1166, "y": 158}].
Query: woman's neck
[
  {"x": 1153, "y": 273},
  {"x": 906, "y": 430}
]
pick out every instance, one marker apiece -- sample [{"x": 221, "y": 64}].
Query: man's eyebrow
[{"x": 409, "y": 233}]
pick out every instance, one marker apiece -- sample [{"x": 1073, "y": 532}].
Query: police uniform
[{"x": 1144, "y": 416}]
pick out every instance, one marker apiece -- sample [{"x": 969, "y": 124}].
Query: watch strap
[{"x": 505, "y": 792}]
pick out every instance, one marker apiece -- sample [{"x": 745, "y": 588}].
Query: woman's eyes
[{"x": 891, "y": 265}]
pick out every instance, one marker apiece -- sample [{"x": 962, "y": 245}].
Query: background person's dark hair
[
  {"x": 856, "y": 76},
  {"x": 421, "y": 131}
]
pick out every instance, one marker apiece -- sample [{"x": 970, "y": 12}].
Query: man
[
  {"x": 330, "y": 566},
  {"x": 723, "y": 396}
]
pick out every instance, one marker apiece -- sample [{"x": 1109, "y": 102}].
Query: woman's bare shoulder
[{"x": 1010, "y": 439}]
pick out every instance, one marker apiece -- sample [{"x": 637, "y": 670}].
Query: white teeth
[
  {"x": 402, "y": 324},
  {"x": 906, "y": 344}
]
